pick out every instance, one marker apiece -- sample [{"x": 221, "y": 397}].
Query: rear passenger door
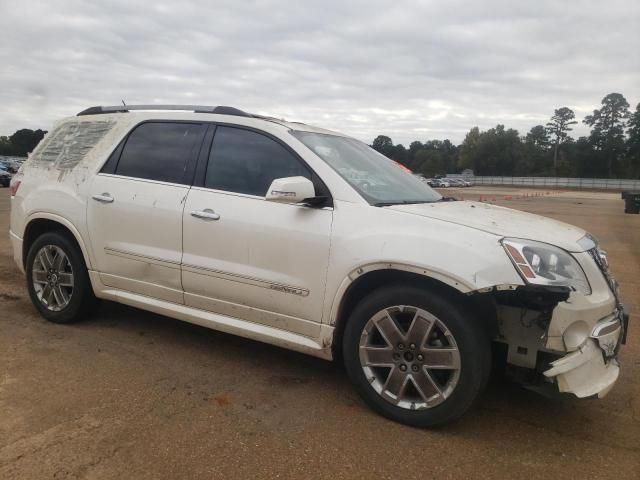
[
  {"x": 135, "y": 208},
  {"x": 248, "y": 258}
]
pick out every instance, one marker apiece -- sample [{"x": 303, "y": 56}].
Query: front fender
[{"x": 366, "y": 238}]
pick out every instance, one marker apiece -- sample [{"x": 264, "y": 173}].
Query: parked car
[
  {"x": 424, "y": 179},
  {"x": 9, "y": 167},
  {"x": 310, "y": 240},
  {"x": 5, "y": 177},
  {"x": 455, "y": 182},
  {"x": 441, "y": 183}
]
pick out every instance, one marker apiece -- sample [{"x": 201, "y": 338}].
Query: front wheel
[{"x": 416, "y": 357}]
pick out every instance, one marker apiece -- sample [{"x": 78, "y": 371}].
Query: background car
[
  {"x": 9, "y": 166},
  {"x": 441, "y": 183},
  {"x": 456, "y": 182},
  {"x": 5, "y": 177}
]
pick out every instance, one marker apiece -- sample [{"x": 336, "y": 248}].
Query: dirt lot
[{"x": 129, "y": 394}]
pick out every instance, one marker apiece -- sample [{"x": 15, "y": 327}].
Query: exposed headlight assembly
[{"x": 543, "y": 264}]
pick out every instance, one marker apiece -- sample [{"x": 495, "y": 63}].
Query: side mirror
[{"x": 290, "y": 190}]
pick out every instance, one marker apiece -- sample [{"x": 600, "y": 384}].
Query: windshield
[{"x": 379, "y": 180}]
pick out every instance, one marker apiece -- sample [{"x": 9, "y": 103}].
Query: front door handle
[
  {"x": 206, "y": 214},
  {"x": 103, "y": 198}
]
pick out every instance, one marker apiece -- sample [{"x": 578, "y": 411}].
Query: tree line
[
  {"x": 611, "y": 150},
  {"x": 20, "y": 143}
]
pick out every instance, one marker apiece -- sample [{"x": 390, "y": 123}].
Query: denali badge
[{"x": 296, "y": 291}]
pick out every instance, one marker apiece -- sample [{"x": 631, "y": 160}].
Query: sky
[{"x": 415, "y": 70}]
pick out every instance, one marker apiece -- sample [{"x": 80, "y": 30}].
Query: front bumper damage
[
  {"x": 592, "y": 368},
  {"x": 560, "y": 340}
]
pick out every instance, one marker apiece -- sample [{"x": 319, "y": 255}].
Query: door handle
[
  {"x": 206, "y": 214},
  {"x": 103, "y": 198}
]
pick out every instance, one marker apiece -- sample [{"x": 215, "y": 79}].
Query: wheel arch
[
  {"x": 40, "y": 223},
  {"x": 366, "y": 279}
]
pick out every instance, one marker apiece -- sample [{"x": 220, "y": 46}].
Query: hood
[{"x": 500, "y": 221}]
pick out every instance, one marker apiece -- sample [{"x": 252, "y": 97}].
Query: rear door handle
[
  {"x": 206, "y": 214},
  {"x": 103, "y": 198}
]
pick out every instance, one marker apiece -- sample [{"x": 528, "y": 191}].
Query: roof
[{"x": 218, "y": 110}]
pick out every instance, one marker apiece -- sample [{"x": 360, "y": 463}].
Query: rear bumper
[{"x": 16, "y": 244}]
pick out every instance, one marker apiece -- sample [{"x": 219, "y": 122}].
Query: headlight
[{"x": 543, "y": 264}]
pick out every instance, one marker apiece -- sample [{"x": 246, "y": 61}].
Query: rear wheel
[
  {"x": 416, "y": 357},
  {"x": 57, "y": 278}
]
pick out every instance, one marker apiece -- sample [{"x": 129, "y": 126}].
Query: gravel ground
[{"x": 130, "y": 394}]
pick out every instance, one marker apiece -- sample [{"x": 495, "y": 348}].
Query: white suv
[{"x": 310, "y": 240}]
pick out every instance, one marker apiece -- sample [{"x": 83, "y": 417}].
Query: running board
[{"x": 320, "y": 348}]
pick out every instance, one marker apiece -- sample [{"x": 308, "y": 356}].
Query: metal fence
[{"x": 560, "y": 182}]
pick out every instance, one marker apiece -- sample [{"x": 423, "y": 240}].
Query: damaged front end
[
  {"x": 580, "y": 360},
  {"x": 560, "y": 339}
]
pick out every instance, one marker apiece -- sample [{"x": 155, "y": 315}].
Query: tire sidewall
[
  {"x": 472, "y": 341},
  {"x": 81, "y": 284}
]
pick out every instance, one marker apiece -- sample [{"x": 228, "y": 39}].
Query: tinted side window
[
  {"x": 247, "y": 162},
  {"x": 159, "y": 151}
]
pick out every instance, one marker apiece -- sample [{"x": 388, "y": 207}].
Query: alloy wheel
[
  {"x": 52, "y": 277},
  {"x": 409, "y": 357}
]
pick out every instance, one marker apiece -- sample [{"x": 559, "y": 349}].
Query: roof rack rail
[{"x": 220, "y": 110}]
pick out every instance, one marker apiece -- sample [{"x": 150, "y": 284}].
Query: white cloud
[{"x": 410, "y": 70}]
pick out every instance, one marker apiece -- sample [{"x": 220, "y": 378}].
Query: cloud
[{"x": 410, "y": 70}]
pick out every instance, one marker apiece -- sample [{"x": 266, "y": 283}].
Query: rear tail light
[{"x": 15, "y": 184}]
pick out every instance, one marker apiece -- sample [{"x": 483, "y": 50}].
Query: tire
[
  {"x": 449, "y": 391},
  {"x": 79, "y": 296}
]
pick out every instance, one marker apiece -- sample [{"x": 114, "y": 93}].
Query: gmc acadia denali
[{"x": 310, "y": 240}]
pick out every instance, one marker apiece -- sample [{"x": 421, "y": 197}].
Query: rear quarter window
[
  {"x": 159, "y": 151},
  {"x": 70, "y": 142}
]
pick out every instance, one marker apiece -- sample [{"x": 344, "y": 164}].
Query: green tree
[
  {"x": 633, "y": 145},
  {"x": 414, "y": 147},
  {"x": 497, "y": 151},
  {"x": 25, "y": 140},
  {"x": 584, "y": 159},
  {"x": 469, "y": 148},
  {"x": 6, "y": 148},
  {"x": 538, "y": 136},
  {"x": 429, "y": 162},
  {"x": 607, "y": 129},
  {"x": 384, "y": 145},
  {"x": 559, "y": 127},
  {"x": 399, "y": 154},
  {"x": 535, "y": 153},
  {"x": 450, "y": 156}
]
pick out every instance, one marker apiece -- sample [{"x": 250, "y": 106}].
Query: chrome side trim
[
  {"x": 258, "y": 282},
  {"x": 141, "y": 258},
  {"x": 258, "y": 316},
  {"x": 144, "y": 180},
  {"x": 318, "y": 346},
  {"x": 254, "y": 197},
  {"x": 225, "y": 192}
]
